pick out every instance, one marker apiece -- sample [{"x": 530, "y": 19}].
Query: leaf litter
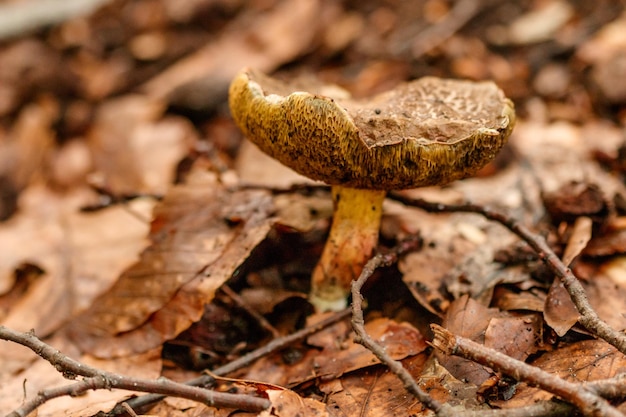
[{"x": 88, "y": 283}]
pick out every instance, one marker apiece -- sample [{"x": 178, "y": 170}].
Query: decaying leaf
[
  {"x": 588, "y": 360},
  {"x": 286, "y": 403},
  {"x": 469, "y": 319},
  {"x": 78, "y": 254},
  {"x": 200, "y": 235},
  {"x": 559, "y": 311},
  {"x": 339, "y": 354},
  {"x": 375, "y": 392}
]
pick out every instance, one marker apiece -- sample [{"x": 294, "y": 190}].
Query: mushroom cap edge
[{"x": 318, "y": 137}]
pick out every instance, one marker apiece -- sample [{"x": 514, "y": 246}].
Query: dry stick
[
  {"x": 612, "y": 388},
  {"x": 245, "y": 360},
  {"x": 588, "y": 317},
  {"x": 539, "y": 409},
  {"x": 99, "y": 379},
  {"x": 108, "y": 380},
  {"x": 608, "y": 388},
  {"x": 589, "y": 403},
  {"x": 358, "y": 324},
  {"x": 241, "y": 303}
]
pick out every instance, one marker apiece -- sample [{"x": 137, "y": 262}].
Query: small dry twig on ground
[
  {"x": 588, "y": 317},
  {"x": 358, "y": 324},
  {"x": 613, "y": 388},
  {"x": 144, "y": 402},
  {"x": 99, "y": 379},
  {"x": 241, "y": 303},
  {"x": 589, "y": 403}
]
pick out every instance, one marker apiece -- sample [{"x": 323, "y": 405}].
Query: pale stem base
[{"x": 352, "y": 239}]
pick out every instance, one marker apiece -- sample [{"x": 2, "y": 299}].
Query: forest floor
[{"x": 143, "y": 237}]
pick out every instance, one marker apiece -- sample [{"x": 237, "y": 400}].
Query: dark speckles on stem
[{"x": 377, "y": 111}]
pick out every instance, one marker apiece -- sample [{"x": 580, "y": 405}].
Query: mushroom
[{"x": 427, "y": 132}]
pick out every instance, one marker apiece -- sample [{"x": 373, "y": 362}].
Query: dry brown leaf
[
  {"x": 443, "y": 386},
  {"x": 581, "y": 235},
  {"x": 200, "y": 235},
  {"x": 339, "y": 354},
  {"x": 469, "y": 319},
  {"x": 607, "y": 291},
  {"x": 458, "y": 253},
  {"x": 80, "y": 254},
  {"x": 588, "y": 360},
  {"x": 263, "y": 41},
  {"x": 135, "y": 148},
  {"x": 24, "y": 151},
  {"x": 605, "y": 42},
  {"x": 559, "y": 311},
  {"x": 374, "y": 392},
  {"x": 286, "y": 403},
  {"x": 517, "y": 337},
  {"x": 611, "y": 243}
]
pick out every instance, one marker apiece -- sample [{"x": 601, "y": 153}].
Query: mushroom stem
[{"x": 352, "y": 239}]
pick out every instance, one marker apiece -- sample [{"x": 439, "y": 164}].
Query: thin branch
[
  {"x": 589, "y": 403},
  {"x": 99, "y": 379},
  {"x": 358, "y": 324},
  {"x": 588, "y": 317},
  {"x": 145, "y": 401},
  {"x": 241, "y": 303},
  {"x": 539, "y": 409}
]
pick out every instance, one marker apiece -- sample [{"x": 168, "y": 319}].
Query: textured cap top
[{"x": 427, "y": 132}]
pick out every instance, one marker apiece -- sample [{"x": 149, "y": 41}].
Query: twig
[
  {"x": 358, "y": 324},
  {"x": 613, "y": 388},
  {"x": 99, "y": 379},
  {"x": 589, "y": 403},
  {"x": 609, "y": 388},
  {"x": 141, "y": 403},
  {"x": 540, "y": 409},
  {"x": 588, "y": 317},
  {"x": 241, "y": 303}
]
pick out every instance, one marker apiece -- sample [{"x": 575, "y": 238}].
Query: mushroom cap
[{"x": 426, "y": 132}]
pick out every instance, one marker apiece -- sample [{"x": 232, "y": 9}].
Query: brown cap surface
[{"x": 427, "y": 132}]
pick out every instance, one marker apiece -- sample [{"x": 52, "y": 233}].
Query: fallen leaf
[
  {"x": 200, "y": 235},
  {"x": 589, "y": 360},
  {"x": 516, "y": 336},
  {"x": 263, "y": 41},
  {"x": 135, "y": 148},
  {"x": 468, "y": 319},
  {"x": 286, "y": 403},
  {"x": 375, "y": 392},
  {"x": 79, "y": 254},
  {"x": 339, "y": 354}
]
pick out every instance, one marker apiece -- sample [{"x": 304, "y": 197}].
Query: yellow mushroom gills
[{"x": 427, "y": 132}]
